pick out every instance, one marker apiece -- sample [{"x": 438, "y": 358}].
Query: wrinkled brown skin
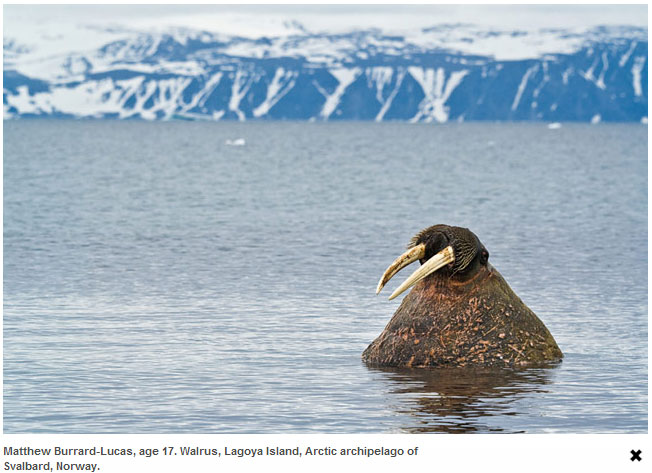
[{"x": 477, "y": 322}]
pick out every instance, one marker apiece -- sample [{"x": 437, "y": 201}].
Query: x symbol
[{"x": 636, "y": 455}]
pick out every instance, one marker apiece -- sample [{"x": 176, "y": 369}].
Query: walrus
[{"x": 461, "y": 312}]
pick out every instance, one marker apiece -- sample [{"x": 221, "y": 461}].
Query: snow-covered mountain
[{"x": 450, "y": 72}]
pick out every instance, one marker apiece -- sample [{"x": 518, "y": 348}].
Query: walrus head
[
  {"x": 454, "y": 251},
  {"x": 460, "y": 311}
]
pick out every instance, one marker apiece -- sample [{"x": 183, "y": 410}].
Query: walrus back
[{"x": 481, "y": 324}]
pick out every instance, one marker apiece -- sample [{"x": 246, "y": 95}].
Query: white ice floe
[
  {"x": 554, "y": 126},
  {"x": 236, "y": 142}
]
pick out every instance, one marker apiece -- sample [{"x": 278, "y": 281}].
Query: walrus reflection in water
[
  {"x": 461, "y": 311},
  {"x": 464, "y": 400}
]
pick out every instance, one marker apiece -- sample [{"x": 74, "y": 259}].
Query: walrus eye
[{"x": 484, "y": 257}]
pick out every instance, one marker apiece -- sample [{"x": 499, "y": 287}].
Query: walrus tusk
[
  {"x": 438, "y": 261},
  {"x": 409, "y": 257}
]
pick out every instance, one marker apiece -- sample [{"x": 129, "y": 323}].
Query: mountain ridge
[{"x": 432, "y": 75}]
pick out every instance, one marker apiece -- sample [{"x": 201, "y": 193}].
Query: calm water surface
[{"x": 159, "y": 280}]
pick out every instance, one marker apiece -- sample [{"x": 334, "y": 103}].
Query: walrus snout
[{"x": 454, "y": 250}]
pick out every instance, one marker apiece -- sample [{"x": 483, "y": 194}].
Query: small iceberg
[
  {"x": 554, "y": 126},
  {"x": 236, "y": 142}
]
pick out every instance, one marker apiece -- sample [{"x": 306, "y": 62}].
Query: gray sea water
[{"x": 157, "y": 279}]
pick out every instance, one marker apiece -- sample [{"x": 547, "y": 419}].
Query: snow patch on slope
[
  {"x": 625, "y": 57},
  {"x": 281, "y": 84},
  {"x": 239, "y": 89},
  {"x": 380, "y": 78},
  {"x": 522, "y": 85},
  {"x": 637, "y": 68},
  {"x": 149, "y": 100},
  {"x": 345, "y": 77},
  {"x": 437, "y": 90}
]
